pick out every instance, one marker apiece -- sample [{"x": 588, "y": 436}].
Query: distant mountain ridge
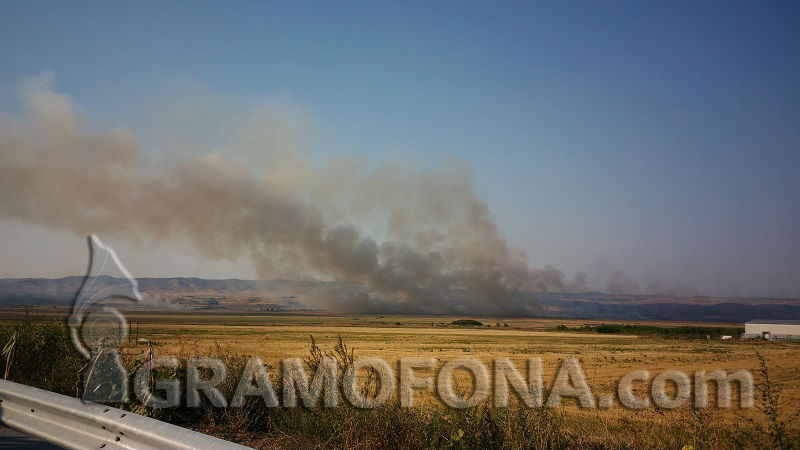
[
  {"x": 236, "y": 294},
  {"x": 704, "y": 309}
]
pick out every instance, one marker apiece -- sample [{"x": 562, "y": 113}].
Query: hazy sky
[{"x": 657, "y": 138}]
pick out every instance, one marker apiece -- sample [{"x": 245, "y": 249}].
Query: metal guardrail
[{"x": 76, "y": 424}]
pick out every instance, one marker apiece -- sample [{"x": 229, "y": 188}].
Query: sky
[{"x": 661, "y": 139}]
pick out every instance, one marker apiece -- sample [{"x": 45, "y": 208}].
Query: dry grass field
[{"x": 603, "y": 357}]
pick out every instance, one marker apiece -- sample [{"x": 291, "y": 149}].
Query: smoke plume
[{"x": 420, "y": 238}]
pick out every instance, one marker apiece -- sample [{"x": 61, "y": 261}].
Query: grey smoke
[{"x": 420, "y": 238}]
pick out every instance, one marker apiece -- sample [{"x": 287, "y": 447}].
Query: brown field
[{"x": 604, "y": 359}]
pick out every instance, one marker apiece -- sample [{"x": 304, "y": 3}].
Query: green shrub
[
  {"x": 467, "y": 323},
  {"x": 40, "y": 354}
]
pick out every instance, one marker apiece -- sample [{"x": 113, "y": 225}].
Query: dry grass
[{"x": 604, "y": 359}]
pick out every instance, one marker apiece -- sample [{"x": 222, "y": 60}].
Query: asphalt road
[{"x": 11, "y": 439}]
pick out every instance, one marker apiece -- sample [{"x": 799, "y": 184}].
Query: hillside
[{"x": 286, "y": 295}]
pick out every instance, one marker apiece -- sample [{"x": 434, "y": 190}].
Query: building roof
[{"x": 775, "y": 322}]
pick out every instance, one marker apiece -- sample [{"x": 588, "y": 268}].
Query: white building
[{"x": 774, "y": 330}]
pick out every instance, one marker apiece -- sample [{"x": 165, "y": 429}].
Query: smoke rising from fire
[{"x": 420, "y": 238}]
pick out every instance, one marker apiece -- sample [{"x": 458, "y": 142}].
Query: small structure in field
[{"x": 773, "y": 330}]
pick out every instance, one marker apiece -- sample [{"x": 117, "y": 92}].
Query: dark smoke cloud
[{"x": 419, "y": 238}]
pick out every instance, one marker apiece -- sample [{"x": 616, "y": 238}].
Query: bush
[
  {"x": 686, "y": 331},
  {"x": 467, "y": 323},
  {"x": 40, "y": 354}
]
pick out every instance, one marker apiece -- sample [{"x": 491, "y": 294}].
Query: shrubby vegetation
[
  {"x": 684, "y": 331},
  {"x": 467, "y": 323},
  {"x": 40, "y": 354}
]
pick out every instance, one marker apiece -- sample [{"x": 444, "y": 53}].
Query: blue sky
[{"x": 658, "y": 138}]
